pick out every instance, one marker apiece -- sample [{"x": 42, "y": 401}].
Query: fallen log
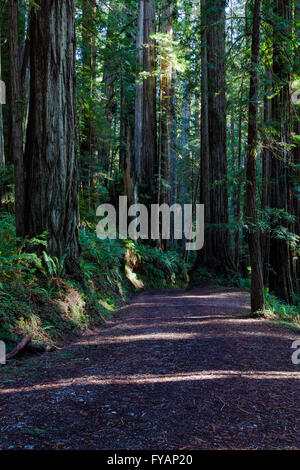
[{"x": 22, "y": 345}]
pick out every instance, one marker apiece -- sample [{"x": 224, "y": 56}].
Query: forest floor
[{"x": 175, "y": 370}]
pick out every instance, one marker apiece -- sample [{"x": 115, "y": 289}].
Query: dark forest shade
[
  {"x": 257, "y": 284},
  {"x": 216, "y": 254},
  {"x": 149, "y": 153},
  {"x": 280, "y": 261},
  {"x": 166, "y": 95},
  {"x": 89, "y": 139},
  {"x": 51, "y": 194},
  {"x": 16, "y": 115}
]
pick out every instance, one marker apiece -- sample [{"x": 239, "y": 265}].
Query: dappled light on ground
[
  {"x": 152, "y": 379},
  {"x": 176, "y": 370}
]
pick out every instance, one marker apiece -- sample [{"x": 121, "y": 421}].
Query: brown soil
[{"x": 177, "y": 370}]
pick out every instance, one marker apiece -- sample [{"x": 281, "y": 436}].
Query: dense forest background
[{"x": 165, "y": 101}]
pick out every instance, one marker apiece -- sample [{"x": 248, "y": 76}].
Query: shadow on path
[{"x": 180, "y": 370}]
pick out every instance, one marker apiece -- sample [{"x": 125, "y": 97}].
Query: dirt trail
[{"x": 178, "y": 370}]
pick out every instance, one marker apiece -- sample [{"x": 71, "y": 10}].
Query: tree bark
[
  {"x": 280, "y": 275},
  {"x": 128, "y": 183},
  {"x": 237, "y": 238},
  {"x": 109, "y": 89},
  {"x": 166, "y": 92},
  {"x": 2, "y": 155},
  {"x": 138, "y": 133},
  {"x": 52, "y": 179},
  {"x": 296, "y": 154},
  {"x": 220, "y": 241},
  {"x": 266, "y": 176},
  {"x": 16, "y": 109},
  {"x": 216, "y": 254},
  {"x": 257, "y": 284},
  {"x": 205, "y": 150},
  {"x": 149, "y": 153},
  {"x": 89, "y": 140}
]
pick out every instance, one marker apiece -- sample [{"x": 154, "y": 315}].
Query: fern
[{"x": 55, "y": 267}]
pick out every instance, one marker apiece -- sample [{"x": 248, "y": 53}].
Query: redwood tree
[
  {"x": 149, "y": 152},
  {"x": 138, "y": 127},
  {"x": 280, "y": 261},
  {"x": 166, "y": 101},
  {"x": 145, "y": 132},
  {"x": 216, "y": 254},
  {"x": 16, "y": 115},
  {"x": 257, "y": 284},
  {"x": 89, "y": 140},
  {"x": 205, "y": 154},
  {"x": 52, "y": 192},
  {"x": 2, "y": 160}
]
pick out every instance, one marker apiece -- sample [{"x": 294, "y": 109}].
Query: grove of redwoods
[{"x": 164, "y": 101}]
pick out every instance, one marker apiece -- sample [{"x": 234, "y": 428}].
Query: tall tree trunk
[
  {"x": 109, "y": 89},
  {"x": 220, "y": 241},
  {"x": 296, "y": 151},
  {"x": 123, "y": 128},
  {"x": 89, "y": 141},
  {"x": 128, "y": 182},
  {"x": 52, "y": 180},
  {"x": 280, "y": 276},
  {"x": 237, "y": 239},
  {"x": 138, "y": 128},
  {"x": 149, "y": 155},
  {"x": 174, "y": 155},
  {"x": 217, "y": 252},
  {"x": 257, "y": 284},
  {"x": 6, "y": 114},
  {"x": 110, "y": 111},
  {"x": 203, "y": 255},
  {"x": 166, "y": 102},
  {"x": 127, "y": 124},
  {"x": 145, "y": 140},
  {"x": 2, "y": 157},
  {"x": 7, "y": 110},
  {"x": 166, "y": 91},
  {"x": 16, "y": 108},
  {"x": 266, "y": 168}
]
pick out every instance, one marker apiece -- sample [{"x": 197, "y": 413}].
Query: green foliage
[
  {"x": 281, "y": 310},
  {"x": 7, "y": 234},
  {"x": 158, "y": 268},
  {"x": 36, "y": 296},
  {"x": 14, "y": 262},
  {"x": 102, "y": 260},
  {"x": 55, "y": 267},
  {"x": 201, "y": 275},
  {"x": 275, "y": 308},
  {"x": 6, "y": 183}
]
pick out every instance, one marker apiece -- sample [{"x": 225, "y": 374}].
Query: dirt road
[{"x": 177, "y": 370}]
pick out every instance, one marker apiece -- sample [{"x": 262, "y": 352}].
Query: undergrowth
[
  {"x": 276, "y": 309},
  {"x": 36, "y": 296}
]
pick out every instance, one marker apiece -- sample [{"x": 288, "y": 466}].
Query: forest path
[{"x": 178, "y": 370}]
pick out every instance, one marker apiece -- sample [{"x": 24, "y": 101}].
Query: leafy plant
[{"x": 55, "y": 267}]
